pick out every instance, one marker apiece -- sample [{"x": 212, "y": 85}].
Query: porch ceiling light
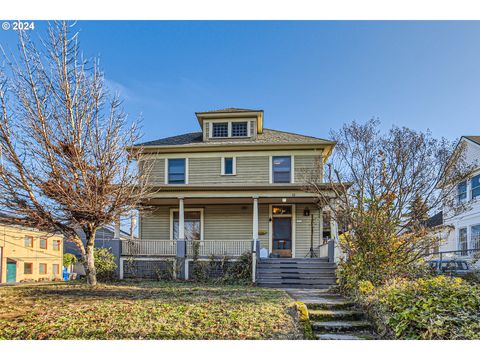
[{"x": 284, "y": 200}]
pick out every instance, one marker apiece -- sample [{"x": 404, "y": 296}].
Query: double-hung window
[
  {"x": 28, "y": 241},
  {"x": 219, "y": 130},
  {"x": 43, "y": 243},
  {"x": 28, "y": 268},
  {"x": 176, "y": 171},
  {"x": 475, "y": 186},
  {"x": 192, "y": 225},
  {"x": 462, "y": 241},
  {"x": 462, "y": 191},
  {"x": 281, "y": 169},
  {"x": 475, "y": 237},
  {"x": 42, "y": 268},
  {"x": 229, "y": 165}
]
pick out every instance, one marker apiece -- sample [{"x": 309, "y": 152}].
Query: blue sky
[{"x": 309, "y": 77}]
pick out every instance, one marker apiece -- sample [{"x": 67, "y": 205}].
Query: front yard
[{"x": 147, "y": 310}]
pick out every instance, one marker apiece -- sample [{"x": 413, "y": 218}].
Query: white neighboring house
[{"x": 465, "y": 225}]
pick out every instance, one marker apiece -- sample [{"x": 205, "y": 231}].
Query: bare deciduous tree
[
  {"x": 64, "y": 142},
  {"x": 386, "y": 186}
]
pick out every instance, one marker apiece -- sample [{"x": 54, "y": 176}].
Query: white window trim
[
  {"x": 202, "y": 223},
  {"x": 166, "y": 170},
  {"x": 270, "y": 224},
  {"x": 229, "y": 123},
  {"x": 234, "y": 165},
  {"x": 292, "y": 168}
]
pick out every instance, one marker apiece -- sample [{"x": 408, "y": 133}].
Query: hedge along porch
[{"x": 285, "y": 227}]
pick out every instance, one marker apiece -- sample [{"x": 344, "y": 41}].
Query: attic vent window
[
  {"x": 239, "y": 129},
  {"x": 220, "y": 130}
]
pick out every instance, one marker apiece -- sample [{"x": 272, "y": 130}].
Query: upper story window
[
  {"x": 229, "y": 129},
  {"x": 475, "y": 186},
  {"x": 56, "y": 245},
  {"x": 220, "y": 130},
  {"x": 239, "y": 129},
  {"x": 43, "y": 243},
  {"x": 281, "y": 169},
  {"x": 176, "y": 171},
  {"x": 229, "y": 166},
  {"x": 462, "y": 191},
  {"x": 28, "y": 241}
]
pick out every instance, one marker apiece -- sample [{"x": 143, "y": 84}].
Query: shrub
[
  {"x": 69, "y": 259},
  {"x": 426, "y": 308},
  {"x": 104, "y": 264}
]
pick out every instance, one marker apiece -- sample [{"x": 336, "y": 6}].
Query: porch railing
[
  {"x": 144, "y": 247},
  {"x": 219, "y": 247},
  {"x": 149, "y": 247}
]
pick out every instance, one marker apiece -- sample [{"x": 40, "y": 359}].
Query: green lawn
[{"x": 147, "y": 310}]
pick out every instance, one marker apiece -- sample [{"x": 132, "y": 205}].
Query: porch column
[
  {"x": 116, "y": 233},
  {"x": 181, "y": 245},
  {"x": 333, "y": 251},
  {"x": 255, "y": 244},
  {"x": 320, "y": 226}
]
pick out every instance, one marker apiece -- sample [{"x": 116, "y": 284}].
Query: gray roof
[
  {"x": 475, "y": 139},
  {"x": 268, "y": 137},
  {"x": 227, "y": 110}
]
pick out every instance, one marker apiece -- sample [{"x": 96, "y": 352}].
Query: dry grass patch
[{"x": 147, "y": 310}]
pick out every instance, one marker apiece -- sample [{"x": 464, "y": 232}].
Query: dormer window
[
  {"x": 229, "y": 129},
  {"x": 239, "y": 129},
  {"x": 220, "y": 130}
]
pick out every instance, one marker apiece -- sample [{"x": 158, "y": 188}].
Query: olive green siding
[
  {"x": 249, "y": 170},
  {"x": 156, "y": 170},
  {"x": 233, "y": 222},
  {"x": 303, "y": 226},
  {"x": 306, "y": 167}
]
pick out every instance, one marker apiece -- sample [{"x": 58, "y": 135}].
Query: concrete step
[
  {"x": 264, "y": 270},
  {"x": 344, "y": 336},
  {"x": 327, "y": 315},
  {"x": 295, "y": 260},
  {"x": 296, "y": 266},
  {"x": 341, "y": 326},
  {"x": 295, "y": 276}
]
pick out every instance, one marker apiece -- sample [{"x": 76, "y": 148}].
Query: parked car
[{"x": 451, "y": 267}]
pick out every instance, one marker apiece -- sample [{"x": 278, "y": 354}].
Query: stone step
[
  {"x": 323, "y": 303},
  {"x": 326, "y": 315},
  {"x": 295, "y": 286},
  {"x": 319, "y": 281},
  {"x": 344, "y": 336},
  {"x": 341, "y": 326}
]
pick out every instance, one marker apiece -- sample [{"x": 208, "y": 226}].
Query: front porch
[{"x": 227, "y": 227}]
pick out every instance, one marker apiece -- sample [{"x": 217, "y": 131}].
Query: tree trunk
[{"x": 89, "y": 261}]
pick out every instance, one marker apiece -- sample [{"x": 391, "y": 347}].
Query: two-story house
[
  {"x": 229, "y": 184},
  {"x": 28, "y": 254},
  {"x": 463, "y": 220}
]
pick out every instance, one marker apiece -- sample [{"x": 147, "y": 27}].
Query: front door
[
  {"x": 11, "y": 271},
  {"x": 282, "y": 232}
]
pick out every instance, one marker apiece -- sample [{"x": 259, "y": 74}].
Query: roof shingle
[{"x": 268, "y": 136}]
